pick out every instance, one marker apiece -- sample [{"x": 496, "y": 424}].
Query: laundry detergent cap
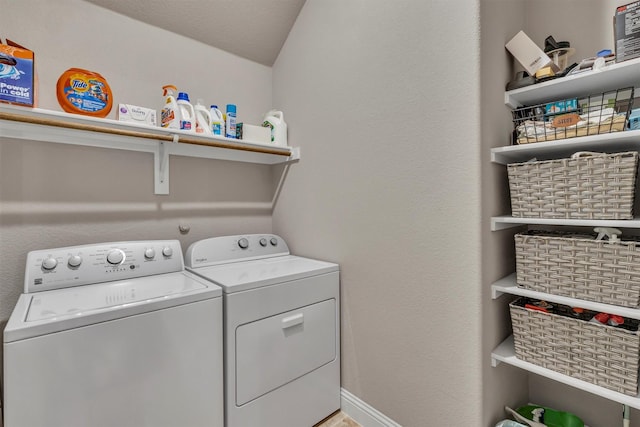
[
  {"x": 184, "y": 96},
  {"x": 214, "y": 106},
  {"x": 84, "y": 92}
]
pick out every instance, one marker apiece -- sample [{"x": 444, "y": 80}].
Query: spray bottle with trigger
[{"x": 170, "y": 114}]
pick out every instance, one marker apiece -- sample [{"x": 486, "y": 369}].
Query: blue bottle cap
[
  {"x": 183, "y": 95},
  {"x": 214, "y": 106},
  {"x": 231, "y": 108}
]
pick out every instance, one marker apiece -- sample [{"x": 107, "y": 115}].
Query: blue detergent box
[
  {"x": 16, "y": 75},
  {"x": 634, "y": 119},
  {"x": 561, "y": 106}
]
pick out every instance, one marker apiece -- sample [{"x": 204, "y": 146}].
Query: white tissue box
[
  {"x": 253, "y": 133},
  {"x": 137, "y": 115}
]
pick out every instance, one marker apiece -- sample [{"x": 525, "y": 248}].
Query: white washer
[
  {"x": 114, "y": 334},
  {"x": 282, "y": 330}
]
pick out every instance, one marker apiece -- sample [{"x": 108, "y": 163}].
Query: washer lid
[
  {"x": 244, "y": 275},
  {"x": 60, "y": 309}
]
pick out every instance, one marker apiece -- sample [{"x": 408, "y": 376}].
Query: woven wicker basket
[
  {"x": 603, "y": 355},
  {"x": 599, "y": 186},
  {"x": 580, "y": 267}
]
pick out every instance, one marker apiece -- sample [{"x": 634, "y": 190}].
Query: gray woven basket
[
  {"x": 580, "y": 267},
  {"x": 595, "y": 187},
  {"x": 603, "y": 355}
]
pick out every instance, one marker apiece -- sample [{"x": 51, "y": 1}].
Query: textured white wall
[
  {"x": 504, "y": 385},
  {"x": 383, "y": 98},
  {"x": 55, "y": 195}
]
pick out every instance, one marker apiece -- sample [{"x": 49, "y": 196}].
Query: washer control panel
[
  {"x": 219, "y": 250},
  {"x": 82, "y": 265}
]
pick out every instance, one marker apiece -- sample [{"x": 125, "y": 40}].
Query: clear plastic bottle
[
  {"x": 187, "y": 114},
  {"x": 217, "y": 121},
  {"x": 230, "y": 123}
]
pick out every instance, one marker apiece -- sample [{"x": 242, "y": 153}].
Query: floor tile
[{"x": 339, "y": 419}]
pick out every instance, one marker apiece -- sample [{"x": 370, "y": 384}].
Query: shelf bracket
[
  {"x": 161, "y": 169},
  {"x": 495, "y": 362},
  {"x": 295, "y": 155},
  {"x": 496, "y": 293},
  {"x": 497, "y": 225}
]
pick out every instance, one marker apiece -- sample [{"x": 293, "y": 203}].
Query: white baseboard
[{"x": 363, "y": 413}]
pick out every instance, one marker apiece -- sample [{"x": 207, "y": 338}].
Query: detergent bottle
[
  {"x": 187, "y": 114},
  {"x": 170, "y": 114},
  {"x": 275, "y": 120},
  {"x": 203, "y": 118},
  {"x": 217, "y": 121}
]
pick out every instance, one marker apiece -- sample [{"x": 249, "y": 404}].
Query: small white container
[
  {"x": 187, "y": 114},
  {"x": 217, "y": 121},
  {"x": 203, "y": 119},
  {"x": 275, "y": 120}
]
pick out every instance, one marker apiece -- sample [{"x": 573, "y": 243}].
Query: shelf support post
[
  {"x": 161, "y": 169},
  {"x": 494, "y": 362}
]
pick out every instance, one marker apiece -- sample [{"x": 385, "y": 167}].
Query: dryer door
[{"x": 276, "y": 350}]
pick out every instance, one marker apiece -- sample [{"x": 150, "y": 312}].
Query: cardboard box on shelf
[
  {"x": 528, "y": 54},
  {"x": 17, "y": 75},
  {"x": 626, "y": 24},
  {"x": 253, "y": 133},
  {"x": 137, "y": 115}
]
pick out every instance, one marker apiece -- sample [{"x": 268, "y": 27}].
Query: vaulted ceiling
[{"x": 252, "y": 29}]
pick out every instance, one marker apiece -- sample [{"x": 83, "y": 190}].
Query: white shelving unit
[
  {"x": 52, "y": 126},
  {"x": 608, "y": 143},
  {"x": 506, "y": 353},
  {"x": 507, "y": 221},
  {"x": 625, "y": 74},
  {"x": 615, "y": 76},
  {"x": 507, "y": 285}
]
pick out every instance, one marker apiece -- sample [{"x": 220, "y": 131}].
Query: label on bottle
[
  {"x": 268, "y": 124},
  {"x": 231, "y": 125},
  {"x": 216, "y": 128},
  {"x": 185, "y": 124},
  {"x": 166, "y": 117}
]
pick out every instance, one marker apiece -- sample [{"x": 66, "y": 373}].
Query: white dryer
[
  {"x": 114, "y": 334},
  {"x": 282, "y": 330}
]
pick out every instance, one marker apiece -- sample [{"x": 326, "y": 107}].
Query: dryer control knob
[
  {"x": 149, "y": 253},
  {"x": 74, "y": 260},
  {"x": 263, "y": 242},
  {"x": 167, "y": 251},
  {"x": 274, "y": 241},
  {"x": 115, "y": 257},
  {"x": 243, "y": 243},
  {"x": 49, "y": 263}
]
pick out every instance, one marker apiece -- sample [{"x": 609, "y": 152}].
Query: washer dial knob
[
  {"x": 74, "y": 261},
  {"x": 49, "y": 263},
  {"x": 274, "y": 241},
  {"x": 243, "y": 243},
  {"x": 263, "y": 242},
  {"x": 115, "y": 257},
  {"x": 149, "y": 253},
  {"x": 167, "y": 251}
]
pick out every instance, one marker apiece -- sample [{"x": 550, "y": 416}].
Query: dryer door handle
[{"x": 294, "y": 320}]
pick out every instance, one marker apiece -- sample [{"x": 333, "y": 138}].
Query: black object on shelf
[{"x": 551, "y": 44}]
